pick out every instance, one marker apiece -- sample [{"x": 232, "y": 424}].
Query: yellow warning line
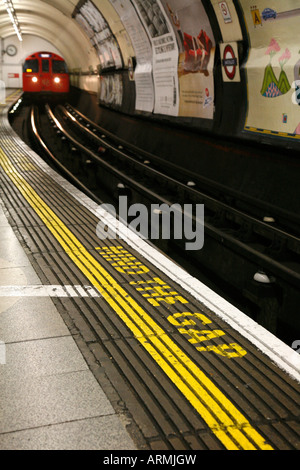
[
  {"x": 222, "y": 417},
  {"x": 12, "y": 95},
  {"x": 269, "y": 132},
  {"x": 18, "y": 90}
]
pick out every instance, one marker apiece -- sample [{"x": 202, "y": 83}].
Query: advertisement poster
[
  {"x": 111, "y": 89},
  {"x": 117, "y": 28},
  {"x": 196, "y": 57},
  {"x": 96, "y": 27},
  {"x": 165, "y": 55},
  {"x": 273, "y": 67},
  {"x": 143, "y": 53}
]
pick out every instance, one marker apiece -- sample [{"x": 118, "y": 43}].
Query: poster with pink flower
[{"x": 273, "y": 67}]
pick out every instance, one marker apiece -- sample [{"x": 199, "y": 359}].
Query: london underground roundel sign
[{"x": 229, "y": 62}]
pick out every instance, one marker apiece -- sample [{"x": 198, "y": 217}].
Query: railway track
[{"x": 256, "y": 257}]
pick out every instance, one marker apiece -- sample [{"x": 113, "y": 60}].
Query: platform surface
[
  {"x": 110, "y": 345},
  {"x": 49, "y": 397}
]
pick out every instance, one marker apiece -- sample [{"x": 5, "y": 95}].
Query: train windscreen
[{"x": 31, "y": 65}]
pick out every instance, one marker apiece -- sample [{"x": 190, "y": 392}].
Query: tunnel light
[{"x": 13, "y": 17}]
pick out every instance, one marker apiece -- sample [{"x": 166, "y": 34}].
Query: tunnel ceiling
[{"x": 52, "y": 21}]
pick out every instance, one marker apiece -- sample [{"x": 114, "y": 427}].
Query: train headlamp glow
[
  {"x": 34, "y": 79},
  {"x": 57, "y": 79}
]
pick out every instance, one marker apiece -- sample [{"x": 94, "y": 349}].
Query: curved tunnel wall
[
  {"x": 227, "y": 67},
  {"x": 46, "y": 21},
  {"x": 12, "y": 66}
]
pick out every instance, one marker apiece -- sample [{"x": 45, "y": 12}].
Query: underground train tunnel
[{"x": 149, "y": 227}]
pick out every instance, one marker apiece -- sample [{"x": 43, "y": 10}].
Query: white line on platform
[{"x": 48, "y": 291}]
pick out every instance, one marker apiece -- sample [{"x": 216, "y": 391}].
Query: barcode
[{"x": 174, "y": 96}]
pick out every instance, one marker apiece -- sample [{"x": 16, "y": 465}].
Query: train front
[{"x": 45, "y": 74}]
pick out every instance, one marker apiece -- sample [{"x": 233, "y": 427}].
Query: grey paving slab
[
  {"x": 11, "y": 276},
  {"x": 41, "y": 358},
  {"x": 29, "y": 318},
  {"x": 103, "y": 433},
  {"x": 11, "y": 250},
  {"x": 55, "y": 399},
  {"x": 3, "y": 219}
]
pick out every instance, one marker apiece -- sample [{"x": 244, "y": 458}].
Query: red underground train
[{"x": 45, "y": 73}]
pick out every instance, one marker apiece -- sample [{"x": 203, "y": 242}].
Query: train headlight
[
  {"x": 57, "y": 79},
  {"x": 34, "y": 79}
]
